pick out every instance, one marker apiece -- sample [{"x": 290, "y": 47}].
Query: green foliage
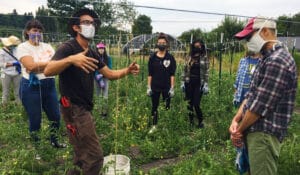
[
  {"x": 14, "y": 20},
  {"x": 286, "y": 27},
  {"x": 186, "y": 36},
  {"x": 200, "y": 151},
  {"x": 49, "y": 23},
  {"x": 229, "y": 26},
  {"x": 142, "y": 25},
  {"x": 109, "y": 13}
]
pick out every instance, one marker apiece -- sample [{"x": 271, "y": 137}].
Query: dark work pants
[
  {"x": 87, "y": 150},
  {"x": 193, "y": 95},
  {"x": 155, "y": 102}
]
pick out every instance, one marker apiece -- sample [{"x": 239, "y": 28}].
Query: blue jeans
[{"x": 38, "y": 97}]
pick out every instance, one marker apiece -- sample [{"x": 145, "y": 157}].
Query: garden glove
[
  {"x": 149, "y": 91},
  {"x": 182, "y": 86},
  {"x": 33, "y": 79},
  {"x": 100, "y": 80},
  {"x": 171, "y": 92},
  {"x": 18, "y": 66},
  {"x": 205, "y": 89}
]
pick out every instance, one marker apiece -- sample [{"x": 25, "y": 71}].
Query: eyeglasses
[{"x": 87, "y": 22}]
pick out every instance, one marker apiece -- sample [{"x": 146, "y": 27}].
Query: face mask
[
  {"x": 87, "y": 31},
  {"x": 35, "y": 37},
  {"x": 161, "y": 47},
  {"x": 256, "y": 42},
  {"x": 197, "y": 50},
  {"x": 11, "y": 48}
]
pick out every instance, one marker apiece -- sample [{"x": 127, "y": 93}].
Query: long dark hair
[
  {"x": 34, "y": 23},
  {"x": 192, "y": 47},
  {"x": 105, "y": 56}
]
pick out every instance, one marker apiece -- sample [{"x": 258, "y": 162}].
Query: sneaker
[
  {"x": 56, "y": 144},
  {"x": 153, "y": 129}
]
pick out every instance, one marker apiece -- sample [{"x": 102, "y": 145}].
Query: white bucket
[{"x": 116, "y": 165}]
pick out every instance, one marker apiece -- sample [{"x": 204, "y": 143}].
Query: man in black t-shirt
[{"x": 76, "y": 63}]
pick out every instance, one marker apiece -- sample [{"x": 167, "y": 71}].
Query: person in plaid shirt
[
  {"x": 243, "y": 78},
  {"x": 262, "y": 120}
]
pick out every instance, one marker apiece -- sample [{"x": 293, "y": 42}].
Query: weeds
[{"x": 202, "y": 151}]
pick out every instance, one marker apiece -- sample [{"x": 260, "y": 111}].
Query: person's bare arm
[
  {"x": 237, "y": 118},
  {"x": 55, "y": 67},
  {"x": 117, "y": 74},
  {"x": 172, "y": 81},
  {"x": 149, "y": 81},
  {"x": 31, "y": 66}
]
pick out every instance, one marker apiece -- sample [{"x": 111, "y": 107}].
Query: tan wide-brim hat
[{"x": 11, "y": 40}]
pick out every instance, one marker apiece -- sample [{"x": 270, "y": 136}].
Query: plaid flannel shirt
[
  {"x": 272, "y": 92},
  {"x": 204, "y": 69},
  {"x": 243, "y": 77}
]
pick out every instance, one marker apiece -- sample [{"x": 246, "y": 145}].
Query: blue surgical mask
[{"x": 35, "y": 37}]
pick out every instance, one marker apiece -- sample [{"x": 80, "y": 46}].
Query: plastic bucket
[{"x": 116, "y": 165}]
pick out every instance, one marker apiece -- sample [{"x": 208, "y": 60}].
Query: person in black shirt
[
  {"x": 195, "y": 79},
  {"x": 161, "y": 78},
  {"x": 76, "y": 63}
]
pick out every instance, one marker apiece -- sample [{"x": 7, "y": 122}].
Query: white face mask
[
  {"x": 256, "y": 42},
  {"x": 88, "y": 31}
]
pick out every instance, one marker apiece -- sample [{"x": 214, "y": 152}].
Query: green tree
[
  {"x": 195, "y": 33},
  {"x": 49, "y": 22},
  {"x": 296, "y": 26},
  {"x": 142, "y": 25},
  {"x": 229, "y": 26},
  {"x": 284, "y": 24},
  {"x": 122, "y": 12},
  {"x": 63, "y": 9}
]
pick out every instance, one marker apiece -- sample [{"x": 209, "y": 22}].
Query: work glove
[
  {"x": 18, "y": 66},
  {"x": 100, "y": 80},
  {"x": 33, "y": 79},
  {"x": 171, "y": 92},
  {"x": 182, "y": 86},
  {"x": 205, "y": 89},
  {"x": 149, "y": 91}
]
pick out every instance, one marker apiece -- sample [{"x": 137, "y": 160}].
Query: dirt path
[{"x": 162, "y": 163}]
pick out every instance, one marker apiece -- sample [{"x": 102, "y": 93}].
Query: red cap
[
  {"x": 247, "y": 30},
  {"x": 255, "y": 23}
]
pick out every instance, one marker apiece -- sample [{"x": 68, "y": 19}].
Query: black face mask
[
  {"x": 161, "y": 47},
  {"x": 197, "y": 50}
]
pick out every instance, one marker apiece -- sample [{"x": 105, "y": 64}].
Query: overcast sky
[{"x": 175, "y": 23}]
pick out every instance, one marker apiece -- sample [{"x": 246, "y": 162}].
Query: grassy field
[{"x": 205, "y": 151}]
